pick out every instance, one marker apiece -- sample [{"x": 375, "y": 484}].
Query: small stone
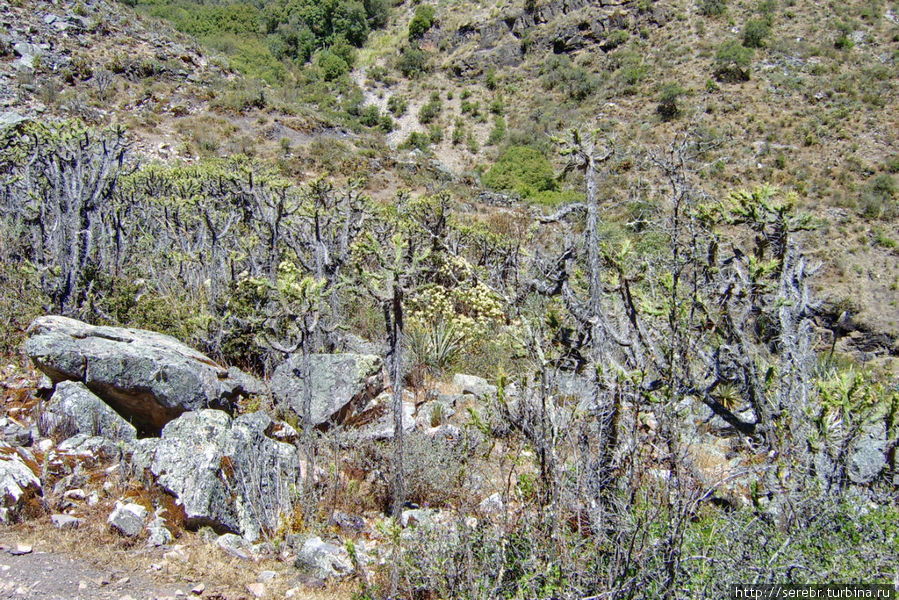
[
  {"x": 256, "y": 589},
  {"x": 82, "y": 585},
  {"x": 180, "y": 593},
  {"x": 65, "y": 521},
  {"x": 266, "y": 576},
  {"x": 76, "y": 494},
  {"x": 21, "y": 549},
  {"x": 198, "y": 589}
]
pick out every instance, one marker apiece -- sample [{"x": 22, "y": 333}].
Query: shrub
[
  {"x": 412, "y": 62},
  {"x": 330, "y": 65},
  {"x": 350, "y": 20},
  {"x": 754, "y": 33},
  {"x": 558, "y": 72},
  {"x": 371, "y": 116},
  {"x": 421, "y": 22},
  {"x": 879, "y": 200},
  {"x": 498, "y": 133},
  {"x": 397, "y": 105},
  {"x": 668, "y": 107},
  {"x": 430, "y": 110},
  {"x": 521, "y": 169},
  {"x": 732, "y": 62},
  {"x": 418, "y": 140},
  {"x": 712, "y": 8}
]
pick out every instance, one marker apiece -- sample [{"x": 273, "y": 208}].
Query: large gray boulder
[
  {"x": 226, "y": 473},
  {"x": 321, "y": 559},
  {"x": 341, "y": 384},
  {"x": 147, "y": 377},
  {"x": 74, "y": 409}
]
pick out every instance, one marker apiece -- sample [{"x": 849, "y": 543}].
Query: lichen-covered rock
[
  {"x": 147, "y": 377},
  {"x": 74, "y": 406},
  {"x": 341, "y": 383},
  {"x": 226, "y": 473},
  {"x": 127, "y": 519},
  {"x": 19, "y": 485},
  {"x": 321, "y": 559},
  {"x": 867, "y": 455},
  {"x": 472, "y": 384}
]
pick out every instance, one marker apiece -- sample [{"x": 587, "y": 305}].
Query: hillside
[{"x": 452, "y": 299}]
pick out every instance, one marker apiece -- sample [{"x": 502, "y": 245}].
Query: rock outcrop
[
  {"x": 341, "y": 384},
  {"x": 73, "y": 409},
  {"x": 147, "y": 377},
  {"x": 226, "y": 473}
]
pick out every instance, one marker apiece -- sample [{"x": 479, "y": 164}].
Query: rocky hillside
[{"x": 530, "y": 299}]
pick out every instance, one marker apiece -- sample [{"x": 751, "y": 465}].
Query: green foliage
[
  {"x": 498, "y": 133},
  {"x": 421, "y": 22},
  {"x": 397, "y": 105},
  {"x": 521, "y": 169},
  {"x": 331, "y": 65},
  {"x": 844, "y": 36},
  {"x": 559, "y": 73},
  {"x": 879, "y": 200},
  {"x": 755, "y": 31},
  {"x": 712, "y": 8},
  {"x": 732, "y": 61},
  {"x": 418, "y": 140},
  {"x": 430, "y": 110},
  {"x": 371, "y": 116},
  {"x": 412, "y": 62},
  {"x": 668, "y": 96}
]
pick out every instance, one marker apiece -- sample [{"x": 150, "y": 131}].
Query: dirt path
[{"x": 40, "y": 575}]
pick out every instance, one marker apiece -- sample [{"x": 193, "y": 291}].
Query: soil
[{"x": 43, "y": 575}]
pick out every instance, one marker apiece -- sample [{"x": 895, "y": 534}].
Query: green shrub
[
  {"x": 880, "y": 200},
  {"x": 330, "y": 65},
  {"x": 668, "y": 96},
  {"x": 417, "y": 140},
  {"x": 732, "y": 61},
  {"x": 386, "y": 123},
  {"x": 498, "y": 133},
  {"x": 371, "y": 116},
  {"x": 397, "y": 105},
  {"x": 712, "y": 8},
  {"x": 558, "y": 72},
  {"x": 521, "y": 169},
  {"x": 421, "y": 22},
  {"x": 430, "y": 110},
  {"x": 412, "y": 62},
  {"x": 754, "y": 33}
]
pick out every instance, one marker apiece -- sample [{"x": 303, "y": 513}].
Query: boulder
[
  {"x": 65, "y": 521},
  {"x": 127, "y": 519},
  {"x": 471, "y": 384},
  {"x": 321, "y": 559},
  {"x": 226, "y": 473},
  {"x": 148, "y": 377},
  {"x": 73, "y": 409},
  {"x": 867, "y": 454},
  {"x": 19, "y": 485},
  {"x": 341, "y": 384},
  {"x": 235, "y": 546}
]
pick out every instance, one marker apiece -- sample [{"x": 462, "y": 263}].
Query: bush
[
  {"x": 712, "y": 8},
  {"x": 371, "y": 116},
  {"x": 732, "y": 62},
  {"x": 879, "y": 200},
  {"x": 412, "y": 62},
  {"x": 397, "y": 105},
  {"x": 498, "y": 133},
  {"x": 430, "y": 110},
  {"x": 521, "y": 169},
  {"x": 331, "y": 65},
  {"x": 421, "y": 22},
  {"x": 558, "y": 72},
  {"x": 754, "y": 33},
  {"x": 668, "y": 107}
]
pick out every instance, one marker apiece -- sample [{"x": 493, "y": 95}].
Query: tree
[
  {"x": 59, "y": 186},
  {"x": 389, "y": 263}
]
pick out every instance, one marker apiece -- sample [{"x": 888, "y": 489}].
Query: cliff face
[{"x": 560, "y": 26}]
